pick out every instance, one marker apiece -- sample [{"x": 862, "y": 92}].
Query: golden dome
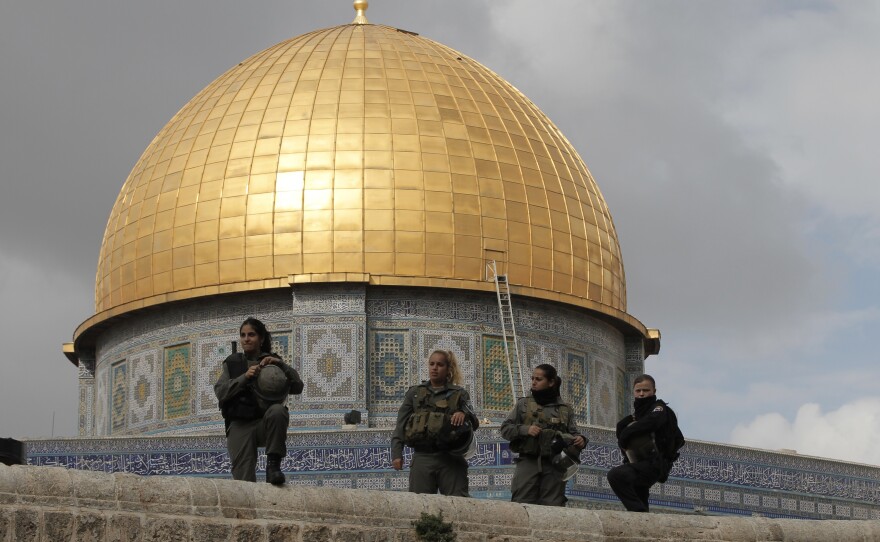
[{"x": 359, "y": 153}]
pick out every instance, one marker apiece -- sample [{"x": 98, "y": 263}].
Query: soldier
[
  {"x": 252, "y": 389},
  {"x": 643, "y": 465},
  {"x": 436, "y": 420},
  {"x": 539, "y": 427}
]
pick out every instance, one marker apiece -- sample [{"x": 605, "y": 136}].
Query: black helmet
[
  {"x": 458, "y": 440},
  {"x": 272, "y": 385}
]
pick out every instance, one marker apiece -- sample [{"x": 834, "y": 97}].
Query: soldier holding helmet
[
  {"x": 436, "y": 420},
  {"x": 542, "y": 430},
  {"x": 252, "y": 390}
]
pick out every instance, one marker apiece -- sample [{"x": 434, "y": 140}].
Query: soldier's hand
[
  {"x": 579, "y": 442},
  {"x": 252, "y": 371},
  {"x": 534, "y": 431},
  {"x": 269, "y": 359},
  {"x": 457, "y": 418},
  {"x": 397, "y": 463}
]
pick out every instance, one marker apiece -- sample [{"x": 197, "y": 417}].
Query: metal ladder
[{"x": 508, "y": 328}]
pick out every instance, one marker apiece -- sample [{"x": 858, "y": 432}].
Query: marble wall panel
[{"x": 330, "y": 363}]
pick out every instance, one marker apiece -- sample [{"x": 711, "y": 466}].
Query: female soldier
[
  {"x": 530, "y": 428},
  {"x": 434, "y": 418},
  {"x": 250, "y": 420}
]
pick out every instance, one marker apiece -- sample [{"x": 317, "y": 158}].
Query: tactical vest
[
  {"x": 430, "y": 421},
  {"x": 535, "y": 415},
  {"x": 243, "y": 406}
]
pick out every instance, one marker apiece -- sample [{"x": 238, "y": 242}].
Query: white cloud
[
  {"x": 850, "y": 433},
  {"x": 809, "y": 101}
]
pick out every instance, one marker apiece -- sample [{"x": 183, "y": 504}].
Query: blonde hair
[{"x": 453, "y": 374}]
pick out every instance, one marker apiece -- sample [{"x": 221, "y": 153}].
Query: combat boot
[{"x": 273, "y": 470}]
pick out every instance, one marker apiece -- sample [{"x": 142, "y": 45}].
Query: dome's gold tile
[{"x": 358, "y": 149}]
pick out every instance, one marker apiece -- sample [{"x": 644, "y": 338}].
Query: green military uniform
[
  {"x": 432, "y": 468},
  {"x": 535, "y": 481},
  {"x": 251, "y": 423}
]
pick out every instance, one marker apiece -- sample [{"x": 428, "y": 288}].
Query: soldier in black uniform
[
  {"x": 435, "y": 419},
  {"x": 251, "y": 420},
  {"x": 643, "y": 464},
  {"x": 531, "y": 428}
]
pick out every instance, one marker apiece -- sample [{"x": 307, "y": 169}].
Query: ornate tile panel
[
  {"x": 330, "y": 362},
  {"x": 209, "y": 357},
  {"x": 389, "y": 367},
  {"x": 281, "y": 344},
  {"x": 86, "y": 408},
  {"x": 177, "y": 382},
  {"x": 118, "y": 396},
  {"x": 143, "y": 389},
  {"x": 539, "y": 352},
  {"x": 102, "y": 401},
  {"x": 86, "y": 400},
  {"x": 497, "y": 395},
  {"x": 578, "y": 384},
  {"x": 604, "y": 407}
]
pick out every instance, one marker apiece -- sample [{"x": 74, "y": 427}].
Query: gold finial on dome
[{"x": 361, "y": 7}]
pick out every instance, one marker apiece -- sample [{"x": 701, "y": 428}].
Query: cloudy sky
[{"x": 732, "y": 140}]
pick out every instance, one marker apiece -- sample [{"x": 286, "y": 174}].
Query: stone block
[
  {"x": 166, "y": 530},
  {"x": 5, "y": 523},
  {"x": 360, "y": 534},
  {"x": 236, "y": 499},
  {"x": 284, "y": 503},
  {"x": 372, "y": 508},
  {"x": 317, "y": 533},
  {"x": 278, "y": 532},
  {"x": 128, "y": 491},
  {"x": 503, "y": 517},
  {"x": 58, "y": 526},
  {"x": 820, "y": 531},
  {"x": 165, "y": 494},
  {"x": 10, "y": 481},
  {"x": 124, "y": 528},
  {"x": 46, "y": 486},
  {"x": 90, "y": 527},
  {"x": 204, "y": 495},
  {"x": 94, "y": 489},
  {"x": 248, "y": 532},
  {"x": 403, "y": 508},
  {"x": 26, "y": 526},
  {"x": 211, "y": 531},
  {"x": 327, "y": 502}
]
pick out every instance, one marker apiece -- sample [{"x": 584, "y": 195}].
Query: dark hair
[
  {"x": 551, "y": 375},
  {"x": 643, "y": 377},
  {"x": 260, "y": 328}
]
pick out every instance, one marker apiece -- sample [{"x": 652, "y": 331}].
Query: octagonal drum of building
[{"x": 349, "y": 187}]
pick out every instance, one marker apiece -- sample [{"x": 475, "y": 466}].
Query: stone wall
[{"x": 56, "y": 504}]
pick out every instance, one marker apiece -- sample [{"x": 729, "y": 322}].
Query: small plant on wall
[{"x": 432, "y": 528}]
